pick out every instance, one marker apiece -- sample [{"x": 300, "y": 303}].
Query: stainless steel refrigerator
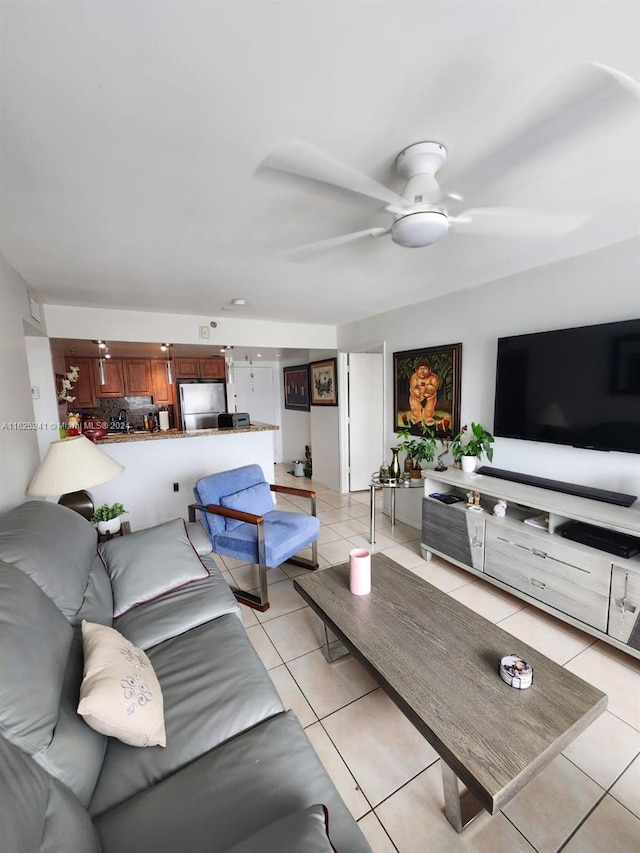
[{"x": 201, "y": 401}]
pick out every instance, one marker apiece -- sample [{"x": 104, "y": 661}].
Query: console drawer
[
  {"x": 545, "y": 571},
  {"x": 454, "y": 531}
]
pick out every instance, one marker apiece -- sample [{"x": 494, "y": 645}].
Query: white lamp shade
[{"x": 72, "y": 464}]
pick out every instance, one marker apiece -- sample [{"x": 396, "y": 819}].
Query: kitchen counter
[{"x": 126, "y": 438}]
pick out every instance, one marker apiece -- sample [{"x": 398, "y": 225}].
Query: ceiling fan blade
[
  {"x": 516, "y": 222},
  {"x": 304, "y": 160},
  {"x": 594, "y": 95},
  {"x": 310, "y": 249}
]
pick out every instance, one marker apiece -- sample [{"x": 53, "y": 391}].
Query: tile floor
[{"x": 586, "y": 801}]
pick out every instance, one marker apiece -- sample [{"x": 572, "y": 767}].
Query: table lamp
[{"x": 70, "y": 466}]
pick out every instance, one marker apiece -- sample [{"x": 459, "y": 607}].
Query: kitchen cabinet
[
  {"x": 114, "y": 378},
  {"x": 137, "y": 377},
  {"x": 84, "y": 390},
  {"x": 187, "y": 368},
  {"x": 162, "y": 391},
  {"x": 212, "y": 368},
  {"x": 199, "y": 368}
]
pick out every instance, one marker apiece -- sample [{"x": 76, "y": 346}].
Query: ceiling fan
[{"x": 421, "y": 212}]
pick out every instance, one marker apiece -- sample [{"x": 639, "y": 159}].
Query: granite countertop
[{"x": 117, "y": 438}]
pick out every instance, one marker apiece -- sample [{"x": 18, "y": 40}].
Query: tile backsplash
[{"x": 136, "y": 408}]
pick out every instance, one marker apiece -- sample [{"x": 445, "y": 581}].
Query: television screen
[{"x": 579, "y": 387}]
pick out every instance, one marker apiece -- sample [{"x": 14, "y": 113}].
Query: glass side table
[{"x": 393, "y": 485}]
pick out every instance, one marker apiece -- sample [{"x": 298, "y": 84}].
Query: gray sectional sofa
[{"x": 237, "y": 772}]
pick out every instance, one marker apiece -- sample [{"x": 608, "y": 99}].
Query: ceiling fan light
[{"x": 416, "y": 230}]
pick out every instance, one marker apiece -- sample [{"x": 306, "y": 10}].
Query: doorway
[{"x": 365, "y": 416}]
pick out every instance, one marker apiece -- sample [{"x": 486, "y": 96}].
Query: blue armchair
[{"x": 241, "y": 520}]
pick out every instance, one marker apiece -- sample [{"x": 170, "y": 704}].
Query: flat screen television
[{"x": 579, "y": 387}]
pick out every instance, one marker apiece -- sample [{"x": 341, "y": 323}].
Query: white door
[
  {"x": 254, "y": 387},
  {"x": 366, "y": 415}
]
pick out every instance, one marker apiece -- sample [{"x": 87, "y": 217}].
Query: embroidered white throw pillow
[{"x": 120, "y": 694}]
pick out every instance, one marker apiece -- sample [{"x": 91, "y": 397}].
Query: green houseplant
[
  {"x": 419, "y": 448},
  {"x": 471, "y": 444},
  {"x": 107, "y": 517}
]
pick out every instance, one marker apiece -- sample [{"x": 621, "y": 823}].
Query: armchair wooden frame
[{"x": 261, "y": 601}]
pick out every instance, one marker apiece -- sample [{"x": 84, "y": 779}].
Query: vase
[
  {"x": 394, "y": 469},
  {"x": 469, "y": 464},
  {"x": 111, "y": 526}
]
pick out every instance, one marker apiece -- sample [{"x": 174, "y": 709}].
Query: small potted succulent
[
  {"x": 469, "y": 445},
  {"x": 108, "y": 518},
  {"x": 419, "y": 448}
]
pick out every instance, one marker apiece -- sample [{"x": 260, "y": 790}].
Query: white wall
[
  {"x": 45, "y": 401},
  {"x": 599, "y": 287},
  {"x": 145, "y": 487},
  {"x": 69, "y": 322},
  {"x": 19, "y": 456}
]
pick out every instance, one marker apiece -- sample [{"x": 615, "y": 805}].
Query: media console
[{"x": 526, "y": 553}]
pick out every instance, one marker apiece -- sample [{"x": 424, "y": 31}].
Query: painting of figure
[{"x": 427, "y": 390}]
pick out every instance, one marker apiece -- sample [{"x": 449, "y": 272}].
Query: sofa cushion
[
  {"x": 120, "y": 695},
  {"x": 35, "y": 640},
  {"x": 52, "y": 544},
  {"x": 97, "y": 605},
  {"x": 39, "y": 814},
  {"x": 304, "y": 831},
  {"x": 280, "y": 528},
  {"x": 40, "y": 675},
  {"x": 149, "y": 563},
  {"x": 214, "y": 687},
  {"x": 257, "y": 500},
  {"x": 272, "y": 768},
  {"x": 198, "y": 538},
  {"x": 76, "y": 751},
  {"x": 179, "y": 610}
]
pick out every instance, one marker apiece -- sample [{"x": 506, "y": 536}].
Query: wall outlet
[
  {"x": 176, "y": 487},
  {"x": 204, "y": 332}
]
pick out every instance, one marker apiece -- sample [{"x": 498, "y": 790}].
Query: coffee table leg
[
  {"x": 372, "y": 514},
  {"x": 335, "y": 653},
  {"x": 460, "y": 810}
]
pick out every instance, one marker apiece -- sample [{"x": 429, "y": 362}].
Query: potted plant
[
  {"x": 478, "y": 441},
  {"x": 108, "y": 518},
  {"x": 419, "y": 448}
]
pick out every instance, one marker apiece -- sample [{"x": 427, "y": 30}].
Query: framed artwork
[
  {"x": 296, "y": 388},
  {"x": 426, "y": 389},
  {"x": 324, "y": 382}
]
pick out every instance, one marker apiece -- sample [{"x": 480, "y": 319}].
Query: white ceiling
[{"x": 131, "y": 132}]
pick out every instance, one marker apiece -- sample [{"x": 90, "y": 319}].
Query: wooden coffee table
[{"x": 438, "y": 661}]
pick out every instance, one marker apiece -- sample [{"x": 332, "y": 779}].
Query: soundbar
[{"x": 617, "y": 498}]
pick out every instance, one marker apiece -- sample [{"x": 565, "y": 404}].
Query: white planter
[
  {"x": 469, "y": 463},
  {"x": 111, "y": 526}
]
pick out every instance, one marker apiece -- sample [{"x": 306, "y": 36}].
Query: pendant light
[
  {"x": 102, "y": 379},
  {"x": 167, "y": 348}
]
